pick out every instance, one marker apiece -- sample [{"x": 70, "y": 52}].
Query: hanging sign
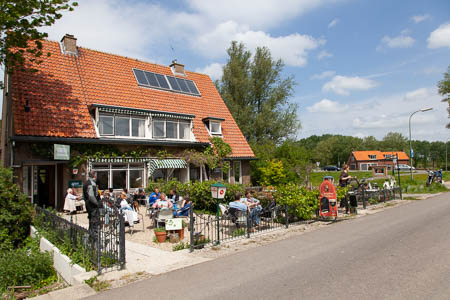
[{"x": 61, "y": 152}]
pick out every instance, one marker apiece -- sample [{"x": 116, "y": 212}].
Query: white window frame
[
  {"x": 214, "y": 132},
  {"x": 372, "y": 156},
  {"x": 130, "y": 125},
  {"x": 177, "y": 138},
  {"x": 113, "y": 124},
  {"x": 129, "y": 168},
  {"x": 240, "y": 171}
]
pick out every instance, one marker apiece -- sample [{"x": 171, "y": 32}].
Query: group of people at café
[
  {"x": 247, "y": 203},
  {"x": 158, "y": 200}
]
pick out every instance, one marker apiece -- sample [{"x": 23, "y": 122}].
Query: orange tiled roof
[
  {"x": 364, "y": 155},
  {"x": 64, "y": 86}
]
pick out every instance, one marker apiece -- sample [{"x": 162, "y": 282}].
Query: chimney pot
[
  {"x": 69, "y": 44},
  {"x": 177, "y": 68}
]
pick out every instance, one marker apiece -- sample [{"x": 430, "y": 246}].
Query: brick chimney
[
  {"x": 69, "y": 44},
  {"x": 177, "y": 68}
]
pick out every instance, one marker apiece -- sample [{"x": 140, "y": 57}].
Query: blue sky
[{"x": 362, "y": 67}]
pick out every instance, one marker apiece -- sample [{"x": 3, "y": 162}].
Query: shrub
[
  {"x": 273, "y": 173},
  {"x": 199, "y": 192},
  {"x": 179, "y": 246},
  {"x": 15, "y": 212},
  {"x": 301, "y": 202},
  {"x": 26, "y": 266},
  {"x": 238, "y": 232}
]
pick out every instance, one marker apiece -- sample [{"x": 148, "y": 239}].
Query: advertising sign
[
  {"x": 174, "y": 224},
  {"x": 61, "y": 152}
]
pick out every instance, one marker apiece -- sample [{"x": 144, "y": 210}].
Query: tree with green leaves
[
  {"x": 394, "y": 141},
  {"x": 257, "y": 96},
  {"x": 444, "y": 90},
  {"x": 20, "y": 21}
]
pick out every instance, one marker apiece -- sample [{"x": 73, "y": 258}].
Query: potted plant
[
  {"x": 181, "y": 231},
  {"x": 160, "y": 234}
]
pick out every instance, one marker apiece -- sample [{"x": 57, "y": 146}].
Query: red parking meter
[{"x": 327, "y": 200}]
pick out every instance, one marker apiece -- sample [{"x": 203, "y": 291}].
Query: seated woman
[
  {"x": 162, "y": 202},
  {"x": 72, "y": 201},
  {"x": 183, "y": 211},
  {"x": 124, "y": 203}
]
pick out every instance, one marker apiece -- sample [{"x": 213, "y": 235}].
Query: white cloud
[
  {"x": 401, "y": 41},
  {"x": 440, "y": 37},
  {"x": 214, "y": 70},
  {"x": 124, "y": 27},
  {"x": 333, "y": 23},
  {"x": 342, "y": 85},
  {"x": 378, "y": 115},
  {"x": 255, "y": 13},
  {"x": 420, "y": 18},
  {"x": 323, "y": 75},
  {"x": 327, "y": 106},
  {"x": 293, "y": 48},
  {"x": 324, "y": 54}
]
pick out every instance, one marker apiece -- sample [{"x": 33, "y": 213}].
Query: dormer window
[
  {"x": 214, "y": 125},
  {"x": 121, "y": 125},
  {"x": 171, "y": 129},
  {"x": 372, "y": 156}
]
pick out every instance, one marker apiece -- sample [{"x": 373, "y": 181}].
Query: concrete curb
[{"x": 73, "y": 274}]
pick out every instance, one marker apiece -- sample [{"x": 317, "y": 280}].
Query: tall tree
[
  {"x": 394, "y": 141},
  {"x": 257, "y": 96},
  {"x": 20, "y": 21},
  {"x": 444, "y": 90}
]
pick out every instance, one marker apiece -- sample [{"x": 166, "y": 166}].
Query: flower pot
[
  {"x": 161, "y": 236},
  {"x": 180, "y": 233}
]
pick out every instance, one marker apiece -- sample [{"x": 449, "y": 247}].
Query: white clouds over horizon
[
  {"x": 208, "y": 28},
  {"x": 401, "y": 41},
  {"x": 324, "y": 54},
  {"x": 379, "y": 115},
  {"x": 440, "y": 37},
  {"x": 323, "y": 75},
  {"x": 420, "y": 18},
  {"x": 292, "y": 49},
  {"x": 214, "y": 70},
  {"x": 342, "y": 85},
  {"x": 327, "y": 106}
]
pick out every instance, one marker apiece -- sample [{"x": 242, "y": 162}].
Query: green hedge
[
  {"x": 26, "y": 266},
  {"x": 15, "y": 212},
  {"x": 199, "y": 192},
  {"x": 301, "y": 202}
]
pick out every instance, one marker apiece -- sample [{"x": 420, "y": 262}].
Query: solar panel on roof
[
  {"x": 192, "y": 87},
  {"x": 140, "y": 77},
  {"x": 183, "y": 85},
  {"x": 162, "y": 81},
  {"x": 152, "y": 79},
  {"x": 173, "y": 83}
]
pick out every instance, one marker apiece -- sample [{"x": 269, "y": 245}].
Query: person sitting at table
[
  {"x": 154, "y": 196},
  {"x": 72, "y": 201},
  {"x": 124, "y": 205},
  {"x": 162, "y": 202},
  {"x": 183, "y": 211},
  {"x": 173, "y": 197},
  {"x": 255, "y": 208}
]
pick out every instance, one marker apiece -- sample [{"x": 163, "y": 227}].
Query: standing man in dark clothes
[
  {"x": 92, "y": 200},
  {"x": 343, "y": 181}
]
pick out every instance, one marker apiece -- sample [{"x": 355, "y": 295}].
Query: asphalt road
[{"x": 399, "y": 253}]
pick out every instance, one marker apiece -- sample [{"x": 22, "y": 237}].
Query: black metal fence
[
  {"x": 99, "y": 248},
  {"x": 207, "y": 229}
]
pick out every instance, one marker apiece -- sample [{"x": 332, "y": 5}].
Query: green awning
[{"x": 174, "y": 163}]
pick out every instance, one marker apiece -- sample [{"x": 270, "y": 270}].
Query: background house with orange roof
[
  {"x": 81, "y": 100},
  {"x": 363, "y": 160}
]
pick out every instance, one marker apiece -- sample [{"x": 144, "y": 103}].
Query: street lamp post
[{"x": 410, "y": 145}]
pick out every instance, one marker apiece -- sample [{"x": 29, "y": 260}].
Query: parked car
[
  {"x": 404, "y": 167},
  {"x": 331, "y": 168}
]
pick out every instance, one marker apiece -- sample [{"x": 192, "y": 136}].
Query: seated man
[
  {"x": 154, "y": 196},
  {"x": 162, "y": 202},
  {"x": 183, "y": 211},
  {"x": 255, "y": 208},
  {"x": 72, "y": 201},
  {"x": 236, "y": 206}
]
